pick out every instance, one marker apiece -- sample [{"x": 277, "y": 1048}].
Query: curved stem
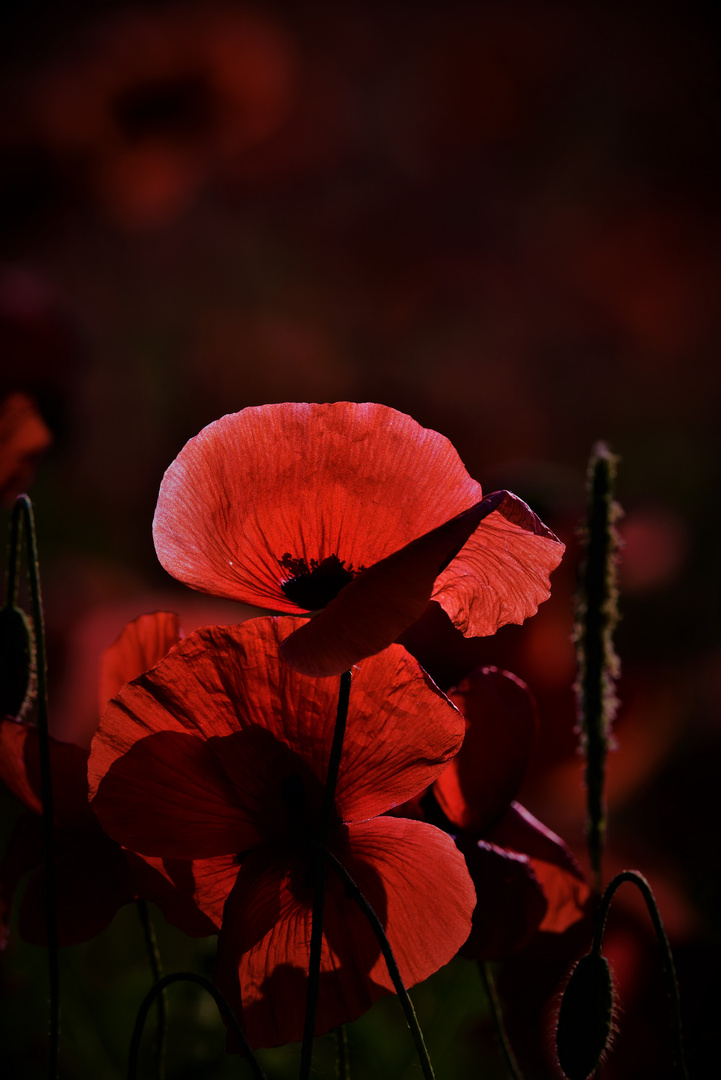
[
  {"x": 489, "y": 985},
  {"x": 318, "y": 875},
  {"x": 224, "y": 1007},
  {"x": 24, "y": 506},
  {"x": 156, "y": 969},
  {"x": 354, "y": 893},
  {"x": 635, "y": 877}
]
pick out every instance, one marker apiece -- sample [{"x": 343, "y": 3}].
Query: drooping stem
[
  {"x": 23, "y": 507},
  {"x": 489, "y": 985},
  {"x": 354, "y": 893},
  {"x": 318, "y": 877},
  {"x": 636, "y": 878},
  {"x": 156, "y": 969},
  {"x": 220, "y": 1001},
  {"x": 342, "y": 1057}
]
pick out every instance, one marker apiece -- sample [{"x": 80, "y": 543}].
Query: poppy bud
[
  {"x": 17, "y": 662},
  {"x": 585, "y": 1017}
]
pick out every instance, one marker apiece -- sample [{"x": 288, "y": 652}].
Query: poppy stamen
[{"x": 313, "y": 587}]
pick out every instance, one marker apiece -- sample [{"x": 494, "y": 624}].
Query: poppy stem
[
  {"x": 318, "y": 871},
  {"x": 23, "y": 507},
  {"x": 354, "y": 893},
  {"x": 156, "y": 969},
  {"x": 343, "y": 1057},
  {"x": 220, "y": 1001},
  {"x": 636, "y": 878},
  {"x": 489, "y": 985}
]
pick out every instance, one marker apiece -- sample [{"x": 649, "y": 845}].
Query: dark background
[{"x": 502, "y": 218}]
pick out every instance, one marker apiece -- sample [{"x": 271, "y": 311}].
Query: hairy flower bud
[{"x": 585, "y": 1019}]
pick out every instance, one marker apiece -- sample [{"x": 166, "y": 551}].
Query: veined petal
[
  {"x": 169, "y": 796},
  {"x": 140, "y": 646},
  {"x": 480, "y": 782},
  {"x": 263, "y": 948},
  {"x": 264, "y": 722},
  {"x": 378, "y": 605},
  {"x": 501, "y": 574},
  {"x": 358, "y": 481}
]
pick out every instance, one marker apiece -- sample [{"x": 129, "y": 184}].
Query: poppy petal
[
  {"x": 169, "y": 796},
  {"x": 501, "y": 723},
  {"x": 190, "y": 893},
  {"x": 378, "y": 605},
  {"x": 140, "y": 646},
  {"x": 555, "y": 867},
  {"x": 501, "y": 575},
  {"x": 358, "y": 481},
  {"x": 20, "y": 769},
  {"x": 511, "y": 902},
  {"x": 263, "y": 948},
  {"x": 229, "y": 687}
]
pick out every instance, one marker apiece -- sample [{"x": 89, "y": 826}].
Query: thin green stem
[
  {"x": 636, "y": 878},
  {"x": 489, "y": 985},
  {"x": 24, "y": 506},
  {"x": 343, "y": 1057},
  {"x": 156, "y": 969},
  {"x": 220, "y": 1001},
  {"x": 355, "y": 894},
  {"x": 318, "y": 877}
]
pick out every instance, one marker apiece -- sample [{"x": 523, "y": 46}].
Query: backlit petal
[
  {"x": 140, "y": 646},
  {"x": 414, "y": 878},
  {"x": 502, "y": 574},
  {"x": 229, "y": 687},
  {"x": 358, "y": 481},
  {"x": 480, "y": 782},
  {"x": 377, "y": 606},
  {"x": 169, "y": 796}
]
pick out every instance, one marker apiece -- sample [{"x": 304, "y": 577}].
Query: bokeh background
[{"x": 500, "y": 217}]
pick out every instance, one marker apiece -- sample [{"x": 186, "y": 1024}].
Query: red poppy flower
[
  {"x": 222, "y": 750},
  {"x": 24, "y": 437},
  {"x": 525, "y": 876},
  {"x": 353, "y": 509},
  {"x": 93, "y": 876}
]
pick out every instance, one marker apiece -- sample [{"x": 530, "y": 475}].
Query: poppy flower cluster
[{"x": 212, "y": 766}]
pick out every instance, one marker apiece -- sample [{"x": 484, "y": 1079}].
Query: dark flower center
[{"x": 315, "y": 586}]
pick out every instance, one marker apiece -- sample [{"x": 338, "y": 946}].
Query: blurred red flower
[
  {"x": 94, "y": 877},
  {"x": 526, "y": 878},
  {"x": 24, "y": 437},
  {"x": 354, "y": 509},
  {"x": 222, "y": 750}
]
